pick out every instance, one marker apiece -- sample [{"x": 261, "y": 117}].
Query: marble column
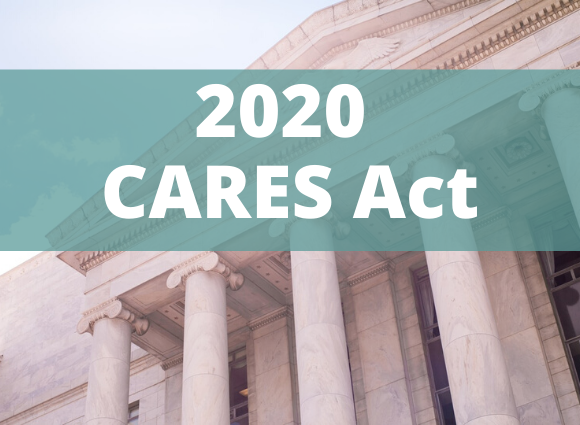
[
  {"x": 478, "y": 377},
  {"x": 557, "y": 99},
  {"x": 111, "y": 324},
  {"x": 560, "y": 112},
  {"x": 324, "y": 380},
  {"x": 205, "y": 396}
]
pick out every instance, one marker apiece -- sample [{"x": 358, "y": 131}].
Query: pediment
[
  {"x": 330, "y": 35},
  {"x": 368, "y": 53},
  {"x": 431, "y": 34},
  {"x": 393, "y": 34}
]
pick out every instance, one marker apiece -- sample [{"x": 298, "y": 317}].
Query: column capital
[
  {"x": 439, "y": 144},
  {"x": 207, "y": 261},
  {"x": 282, "y": 226},
  {"x": 113, "y": 309},
  {"x": 538, "y": 92}
]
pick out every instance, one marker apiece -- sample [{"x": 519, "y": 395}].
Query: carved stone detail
[
  {"x": 113, "y": 309},
  {"x": 172, "y": 362},
  {"x": 537, "y": 93},
  {"x": 402, "y": 26},
  {"x": 94, "y": 258},
  {"x": 207, "y": 261},
  {"x": 494, "y": 216},
  {"x": 366, "y": 52},
  {"x": 440, "y": 144},
  {"x": 517, "y": 31},
  {"x": 384, "y": 267},
  {"x": 271, "y": 318}
]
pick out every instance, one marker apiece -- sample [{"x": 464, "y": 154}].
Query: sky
[
  {"x": 144, "y": 34},
  {"x": 141, "y": 34}
]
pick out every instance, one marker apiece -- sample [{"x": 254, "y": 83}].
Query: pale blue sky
[
  {"x": 135, "y": 34},
  {"x": 141, "y": 34}
]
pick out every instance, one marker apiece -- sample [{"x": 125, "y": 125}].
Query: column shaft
[
  {"x": 560, "y": 113},
  {"x": 205, "y": 358},
  {"x": 478, "y": 377},
  {"x": 108, "y": 390},
  {"x": 324, "y": 379}
]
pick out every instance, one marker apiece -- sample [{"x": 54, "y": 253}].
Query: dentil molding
[
  {"x": 387, "y": 266},
  {"x": 94, "y": 258},
  {"x": 285, "y": 311},
  {"x": 537, "y": 93},
  {"x": 536, "y": 20}
]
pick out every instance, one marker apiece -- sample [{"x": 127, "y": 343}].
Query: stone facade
[
  {"x": 46, "y": 364},
  {"x": 326, "y": 337}
]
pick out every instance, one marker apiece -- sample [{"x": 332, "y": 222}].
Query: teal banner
[{"x": 384, "y": 160}]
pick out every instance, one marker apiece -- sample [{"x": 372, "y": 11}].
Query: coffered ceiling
[{"x": 267, "y": 288}]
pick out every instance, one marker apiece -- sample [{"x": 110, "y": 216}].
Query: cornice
[
  {"x": 271, "y": 318},
  {"x": 490, "y": 218},
  {"x": 206, "y": 261},
  {"x": 387, "y": 266},
  {"x": 94, "y": 258},
  {"x": 419, "y": 20},
  {"x": 525, "y": 27},
  {"x": 172, "y": 362},
  {"x": 113, "y": 309},
  {"x": 339, "y": 14}
]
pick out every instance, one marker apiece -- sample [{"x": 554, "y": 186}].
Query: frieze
[
  {"x": 271, "y": 318},
  {"x": 384, "y": 267},
  {"x": 490, "y": 218},
  {"x": 366, "y": 52},
  {"x": 410, "y": 23}
]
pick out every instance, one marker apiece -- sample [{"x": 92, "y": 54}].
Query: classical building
[{"x": 325, "y": 338}]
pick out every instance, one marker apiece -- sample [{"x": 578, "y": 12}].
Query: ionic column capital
[
  {"x": 537, "y": 93},
  {"x": 282, "y": 226},
  {"x": 207, "y": 261},
  {"x": 439, "y": 144},
  {"x": 113, "y": 309}
]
